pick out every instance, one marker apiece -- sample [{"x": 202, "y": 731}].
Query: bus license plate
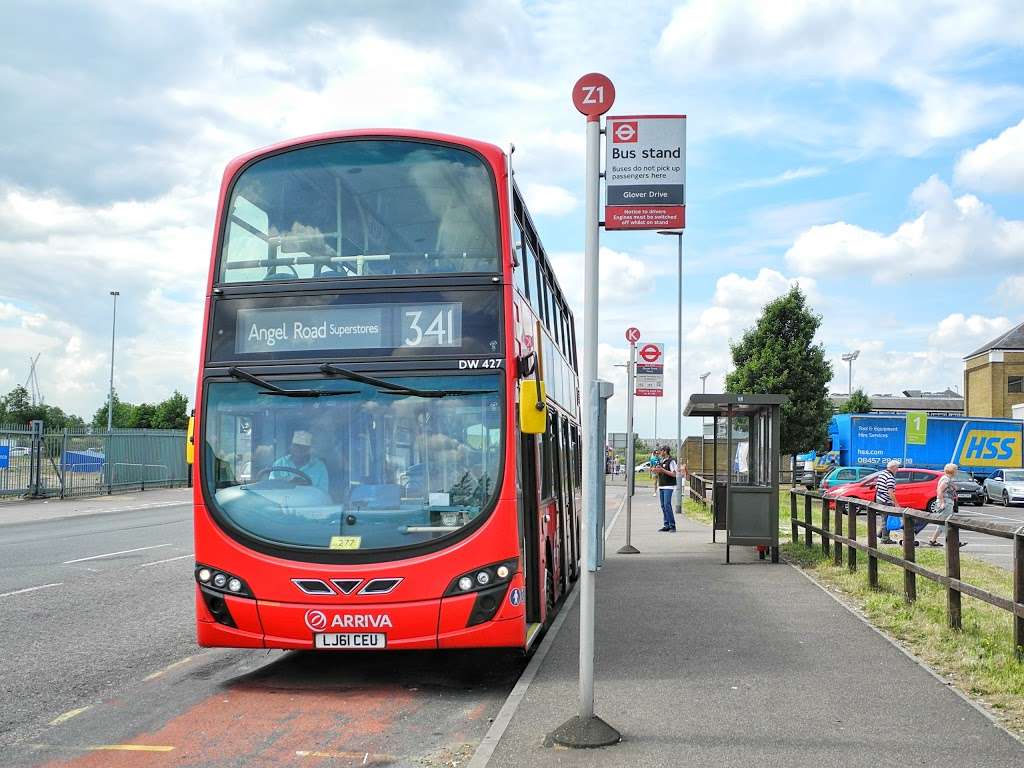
[{"x": 354, "y": 641}]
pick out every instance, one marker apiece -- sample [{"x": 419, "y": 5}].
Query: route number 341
[{"x": 432, "y": 328}]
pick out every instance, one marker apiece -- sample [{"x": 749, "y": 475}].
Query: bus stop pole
[
  {"x": 586, "y": 729},
  {"x": 628, "y": 548}
]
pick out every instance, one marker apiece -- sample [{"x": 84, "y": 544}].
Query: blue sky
[{"x": 872, "y": 151}]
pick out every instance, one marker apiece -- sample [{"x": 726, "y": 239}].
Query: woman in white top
[{"x": 945, "y": 502}]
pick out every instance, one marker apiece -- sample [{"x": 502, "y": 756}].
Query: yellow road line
[
  {"x": 129, "y": 748},
  {"x": 67, "y": 716},
  {"x": 167, "y": 669}
]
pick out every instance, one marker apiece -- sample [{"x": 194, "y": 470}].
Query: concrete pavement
[
  {"x": 31, "y": 510},
  {"x": 703, "y": 664}
]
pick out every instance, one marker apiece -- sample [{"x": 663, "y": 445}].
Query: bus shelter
[{"x": 745, "y": 497}]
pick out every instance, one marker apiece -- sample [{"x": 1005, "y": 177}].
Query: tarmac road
[
  {"x": 97, "y": 652},
  {"x": 991, "y": 548}
]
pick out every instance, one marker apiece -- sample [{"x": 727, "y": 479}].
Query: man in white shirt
[{"x": 301, "y": 457}]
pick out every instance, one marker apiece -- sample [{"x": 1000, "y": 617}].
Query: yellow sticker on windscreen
[{"x": 346, "y": 542}]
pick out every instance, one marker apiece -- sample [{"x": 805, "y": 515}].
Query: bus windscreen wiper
[
  {"x": 398, "y": 389},
  {"x": 273, "y": 389}
]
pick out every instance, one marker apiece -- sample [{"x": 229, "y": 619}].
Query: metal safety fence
[{"x": 40, "y": 463}]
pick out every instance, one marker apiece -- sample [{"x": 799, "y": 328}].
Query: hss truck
[{"x": 978, "y": 446}]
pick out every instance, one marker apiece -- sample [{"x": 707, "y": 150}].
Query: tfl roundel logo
[
  {"x": 316, "y": 620},
  {"x": 625, "y": 132}
]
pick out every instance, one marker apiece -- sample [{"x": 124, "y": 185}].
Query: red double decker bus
[{"x": 387, "y": 444}]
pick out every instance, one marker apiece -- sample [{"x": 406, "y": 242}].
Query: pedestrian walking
[
  {"x": 885, "y": 494},
  {"x": 945, "y": 502},
  {"x": 665, "y": 470}
]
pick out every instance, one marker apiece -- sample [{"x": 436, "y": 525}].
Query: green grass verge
[{"x": 979, "y": 659}]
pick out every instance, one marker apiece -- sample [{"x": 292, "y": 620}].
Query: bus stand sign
[
  {"x": 652, "y": 359},
  {"x": 645, "y": 172}
]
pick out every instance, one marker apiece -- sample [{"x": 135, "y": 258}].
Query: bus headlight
[
  {"x": 214, "y": 580},
  {"x": 486, "y": 577}
]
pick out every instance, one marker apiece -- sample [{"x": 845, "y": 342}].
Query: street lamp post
[
  {"x": 110, "y": 398},
  {"x": 849, "y": 357},
  {"x": 678, "y": 233},
  {"x": 703, "y": 391}
]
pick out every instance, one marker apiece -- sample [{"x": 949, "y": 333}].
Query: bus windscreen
[
  {"x": 359, "y": 208},
  {"x": 371, "y": 468}
]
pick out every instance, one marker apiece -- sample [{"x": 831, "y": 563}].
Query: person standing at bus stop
[{"x": 665, "y": 470}]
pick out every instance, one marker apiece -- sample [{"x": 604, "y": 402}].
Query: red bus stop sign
[
  {"x": 593, "y": 94},
  {"x": 650, "y": 353},
  {"x": 632, "y": 335}
]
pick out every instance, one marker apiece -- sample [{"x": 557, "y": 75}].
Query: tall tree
[
  {"x": 172, "y": 413},
  {"x": 124, "y": 415},
  {"x": 858, "y": 402},
  {"x": 778, "y": 356}
]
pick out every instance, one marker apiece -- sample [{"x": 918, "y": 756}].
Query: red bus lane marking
[{"x": 272, "y": 726}]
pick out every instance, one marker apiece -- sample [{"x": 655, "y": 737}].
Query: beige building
[{"x": 994, "y": 376}]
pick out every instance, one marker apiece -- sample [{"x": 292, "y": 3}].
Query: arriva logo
[
  {"x": 990, "y": 448},
  {"x": 318, "y": 621}
]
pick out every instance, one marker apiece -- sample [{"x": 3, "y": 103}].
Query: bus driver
[{"x": 301, "y": 457}]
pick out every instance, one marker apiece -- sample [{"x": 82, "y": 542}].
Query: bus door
[
  {"x": 558, "y": 452},
  {"x": 533, "y": 574}
]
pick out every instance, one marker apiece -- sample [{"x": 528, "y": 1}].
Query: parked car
[
  {"x": 1005, "y": 486},
  {"x": 844, "y": 475},
  {"x": 968, "y": 490},
  {"x": 915, "y": 488}
]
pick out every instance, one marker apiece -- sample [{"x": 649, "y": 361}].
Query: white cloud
[
  {"x": 622, "y": 277},
  {"x": 790, "y": 174},
  {"x": 949, "y": 234},
  {"x": 835, "y": 38},
  {"x": 1011, "y": 291},
  {"x": 996, "y": 165},
  {"x": 920, "y": 51},
  {"x": 550, "y": 200},
  {"x": 963, "y": 334}
]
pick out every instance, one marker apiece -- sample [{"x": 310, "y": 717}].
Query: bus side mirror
[
  {"x": 190, "y": 441},
  {"x": 533, "y": 411}
]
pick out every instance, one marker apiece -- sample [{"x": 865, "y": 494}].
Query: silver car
[{"x": 1006, "y": 486}]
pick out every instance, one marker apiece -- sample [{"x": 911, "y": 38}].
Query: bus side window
[
  {"x": 519, "y": 272},
  {"x": 533, "y": 278}
]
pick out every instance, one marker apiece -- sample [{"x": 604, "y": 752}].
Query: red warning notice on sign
[{"x": 644, "y": 217}]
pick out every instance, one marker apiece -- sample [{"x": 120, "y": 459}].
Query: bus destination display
[{"x": 354, "y": 326}]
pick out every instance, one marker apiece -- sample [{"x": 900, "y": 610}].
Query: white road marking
[
  {"x": 168, "y": 560},
  {"x": 68, "y": 715},
  {"x": 972, "y": 513},
  {"x": 31, "y": 589},
  {"x": 113, "y": 554},
  {"x": 167, "y": 669}
]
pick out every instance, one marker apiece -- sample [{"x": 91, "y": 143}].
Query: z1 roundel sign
[
  {"x": 632, "y": 335},
  {"x": 593, "y": 94},
  {"x": 650, "y": 353}
]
